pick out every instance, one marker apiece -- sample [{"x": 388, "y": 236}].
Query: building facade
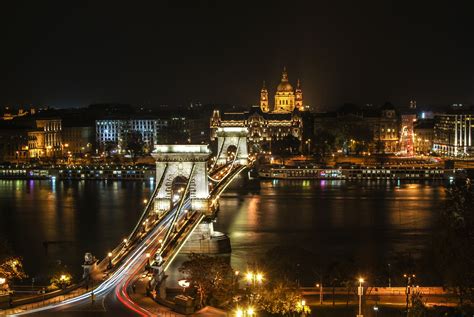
[
  {"x": 111, "y": 132},
  {"x": 46, "y": 139},
  {"x": 453, "y": 134},
  {"x": 77, "y": 140},
  {"x": 267, "y": 124},
  {"x": 286, "y": 99},
  {"x": 424, "y": 136}
]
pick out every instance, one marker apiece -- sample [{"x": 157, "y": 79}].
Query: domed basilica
[
  {"x": 266, "y": 124},
  {"x": 286, "y": 99}
]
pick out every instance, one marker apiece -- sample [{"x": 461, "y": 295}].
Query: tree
[
  {"x": 61, "y": 277},
  {"x": 212, "y": 277},
  {"x": 418, "y": 307},
  {"x": 61, "y": 280},
  {"x": 324, "y": 143},
  {"x": 282, "y": 299},
  {"x": 109, "y": 147},
  {"x": 286, "y": 145},
  {"x": 11, "y": 266},
  {"x": 133, "y": 143},
  {"x": 455, "y": 241}
]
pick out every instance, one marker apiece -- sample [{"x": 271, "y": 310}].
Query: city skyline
[{"x": 168, "y": 54}]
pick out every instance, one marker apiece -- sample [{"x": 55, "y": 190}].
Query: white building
[
  {"x": 111, "y": 131},
  {"x": 453, "y": 135}
]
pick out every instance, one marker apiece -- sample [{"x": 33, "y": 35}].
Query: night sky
[{"x": 73, "y": 53}]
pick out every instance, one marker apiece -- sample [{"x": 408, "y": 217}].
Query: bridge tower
[
  {"x": 232, "y": 142},
  {"x": 177, "y": 163}
]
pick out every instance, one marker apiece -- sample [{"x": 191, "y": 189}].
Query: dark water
[
  {"x": 85, "y": 216},
  {"x": 369, "y": 222}
]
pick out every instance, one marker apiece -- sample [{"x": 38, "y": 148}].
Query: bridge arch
[
  {"x": 232, "y": 142},
  {"x": 175, "y": 165}
]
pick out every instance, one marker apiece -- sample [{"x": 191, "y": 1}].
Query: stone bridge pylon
[
  {"x": 176, "y": 164},
  {"x": 232, "y": 143}
]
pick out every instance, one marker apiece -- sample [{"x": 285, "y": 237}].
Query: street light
[
  {"x": 320, "y": 293},
  {"x": 110, "y": 259},
  {"x": 409, "y": 278},
  {"x": 376, "y": 310},
  {"x": 254, "y": 278},
  {"x": 303, "y": 307},
  {"x": 248, "y": 312},
  {"x": 360, "y": 292}
]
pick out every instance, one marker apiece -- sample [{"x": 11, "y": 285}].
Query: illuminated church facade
[
  {"x": 267, "y": 123},
  {"x": 286, "y": 99}
]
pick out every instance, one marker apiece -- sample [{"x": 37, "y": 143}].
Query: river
[{"x": 369, "y": 222}]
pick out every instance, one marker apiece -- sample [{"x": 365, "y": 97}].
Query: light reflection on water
[
  {"x": 333, "y": 219},
  {"x": 85, "y": 215}
]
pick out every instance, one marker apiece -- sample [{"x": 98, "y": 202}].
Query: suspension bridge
[{"x": 184, "y": 202}]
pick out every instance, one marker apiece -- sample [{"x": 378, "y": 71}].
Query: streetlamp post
[
  {"x": 360, "y": 292},
  {"x": 303, "y": 306},
  {"x": 389, "y": 276},
  {"x": 320, "y": 293},
  {"x": 109, "y": 255},
  {"x": 409, "y": 278}
]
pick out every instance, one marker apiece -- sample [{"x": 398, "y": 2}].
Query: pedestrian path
[{"x": 140, "y": 298}]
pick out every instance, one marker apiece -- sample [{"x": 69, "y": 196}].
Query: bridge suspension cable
[
  {"x": 218, "y": 155},
  {"x": 150, "y": 202},
  {"x": 180, "y": 205},
  {"x": 231, "y": 164}
]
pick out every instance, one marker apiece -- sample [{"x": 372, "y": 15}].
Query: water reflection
[
  {"x": 369, "y": 222},
  {"x": 81, "y": 215}
]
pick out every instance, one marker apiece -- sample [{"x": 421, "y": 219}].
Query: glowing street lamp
[
  {"x": 2, "y": 280},
  {"x": 320, "y": 293},
  {"x": 248, "y": 312},
  {"x": 184, "y": 284},
  {"x": 254, "y": 277},
  {"x": 109, "y": 255},
  {"x": 410, "y": 278},
  {"x": 360, "y": 292}
]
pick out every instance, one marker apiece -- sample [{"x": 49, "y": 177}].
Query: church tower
[
  {"x": 299, "y": 97},
  {"x": 284, "y": 97},
  {"x": 264, "y": 99}
]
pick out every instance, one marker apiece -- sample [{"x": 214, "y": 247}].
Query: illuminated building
[
  {"x": 453, "y": 134},
  {"x": 407, "y": 134},
  {"x": 286, "y": 99},
  {"x": 46, "y": 139},
  {"x": 263, "y": 127},
  {"x": 77, "y": 140},
  {"x": 112, "y": 131},
  {"x": 424, "y": 136},
  {"x": 385, "y": 126},
  {"x": 267, "y": 124}
]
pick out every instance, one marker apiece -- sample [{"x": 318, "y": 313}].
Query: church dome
[{"x": 284, "y": 87}]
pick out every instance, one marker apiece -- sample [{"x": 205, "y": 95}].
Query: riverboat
[{"x": 356, "y": 173}]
